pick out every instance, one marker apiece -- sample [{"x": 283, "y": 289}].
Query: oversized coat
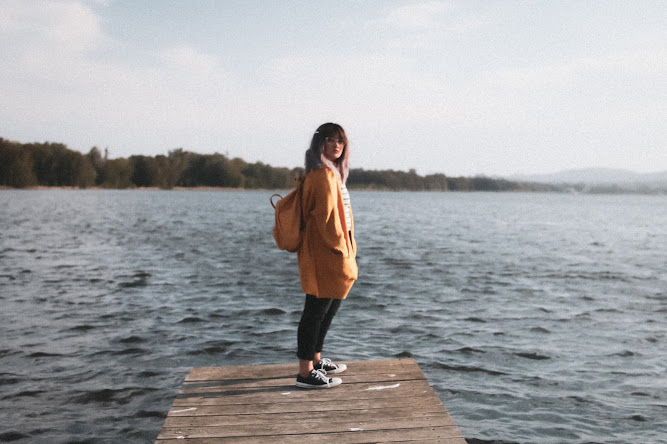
[{"x": 327, "y": 256}]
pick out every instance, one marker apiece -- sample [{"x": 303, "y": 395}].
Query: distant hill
[{"x": 597, "y": 176}]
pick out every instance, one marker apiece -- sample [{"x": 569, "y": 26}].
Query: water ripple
[{"x": 536, "y": 318}]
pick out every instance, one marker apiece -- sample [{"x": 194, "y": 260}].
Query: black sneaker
[
  {"x": 316, "y": 380},
  {"x": 330, "y": 367}
]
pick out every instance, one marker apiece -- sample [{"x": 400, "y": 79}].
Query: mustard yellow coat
[{"x": 327, "y": 257}]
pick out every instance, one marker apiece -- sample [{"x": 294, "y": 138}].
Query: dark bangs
[{"x": 333, "y": 130}]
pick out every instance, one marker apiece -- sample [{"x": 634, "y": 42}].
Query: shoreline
[{"x": 656, "y": 192}]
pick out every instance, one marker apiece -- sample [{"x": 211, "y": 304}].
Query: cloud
[
  {"x": 39, "y": 27},
  {"x": 188, "y": 58},
  {"x": 67, "y": 77},
  {"x": 423, "y": 26},
  {"x": 374, "y": 89},
  {"x": 616, "y": 90},
  {"x": 416, "y": 16}
]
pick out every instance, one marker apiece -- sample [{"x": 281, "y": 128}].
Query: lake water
[{"x": 538, "y": 318}]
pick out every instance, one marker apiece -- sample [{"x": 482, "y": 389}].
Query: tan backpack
[{"x": 288, "y": 230}]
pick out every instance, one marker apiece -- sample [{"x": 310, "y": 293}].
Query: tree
[
  {"x": 144, "y": 171},
  {"x": 458, "y": 184},
  {"x": 16, "y": 165},
  {"x": 116, "y": 174},
  {"x": 84, "y": 172},
  {"x": 192, "y": 175},
  {"x": 436, "y": 182}
]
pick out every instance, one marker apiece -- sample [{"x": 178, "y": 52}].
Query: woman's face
[{"x": 333, "y": 147}]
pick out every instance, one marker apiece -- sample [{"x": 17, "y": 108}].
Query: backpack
[{"x": 288, "y": 230}]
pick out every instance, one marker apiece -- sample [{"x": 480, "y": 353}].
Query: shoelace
[
  {"x": 321, "y": 375},
  {"x": 326, "y": 362}
]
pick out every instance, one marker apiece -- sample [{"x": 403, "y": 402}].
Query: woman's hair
[{"x": 315, "y": 158}]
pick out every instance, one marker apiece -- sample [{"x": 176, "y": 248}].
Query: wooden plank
[
  {"x": 305, "y": 425},
  {"x": 398, "y": 375},
  {"x": 290, "y": 370},
  {"x": 426, "y": 435},
  {"x": 341, "y": 416},
  {"x": 287, "y": 392},
  {"x": 379, "y": 401},
  {"x": 210, "y": 406}
]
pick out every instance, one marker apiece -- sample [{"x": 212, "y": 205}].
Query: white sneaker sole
[{"x": 333, "y": 382}]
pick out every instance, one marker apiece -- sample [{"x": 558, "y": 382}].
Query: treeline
[
  {"x": 411, "y": 181},
  {"x": 54, "y": 165}
]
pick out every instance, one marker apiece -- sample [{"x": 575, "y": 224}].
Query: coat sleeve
[{"x": 323, "y": 210}]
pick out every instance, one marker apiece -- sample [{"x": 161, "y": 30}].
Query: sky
[{"x": 460, "y": 87}]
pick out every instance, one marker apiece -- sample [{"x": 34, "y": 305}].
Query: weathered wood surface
[{"x": 379, "y": 401}]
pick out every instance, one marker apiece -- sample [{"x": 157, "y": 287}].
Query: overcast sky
[{"x": 460, "y": 87}]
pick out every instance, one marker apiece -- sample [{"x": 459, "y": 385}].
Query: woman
[{"x": 327, "y": 264}]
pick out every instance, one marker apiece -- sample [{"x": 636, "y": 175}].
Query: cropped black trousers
[{"x": 315, "y": 321}]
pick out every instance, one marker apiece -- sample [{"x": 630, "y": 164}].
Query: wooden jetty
[{"x": 379, "y": 401}]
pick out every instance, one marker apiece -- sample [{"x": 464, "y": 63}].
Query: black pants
[{"x": 314, "y": 324}]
